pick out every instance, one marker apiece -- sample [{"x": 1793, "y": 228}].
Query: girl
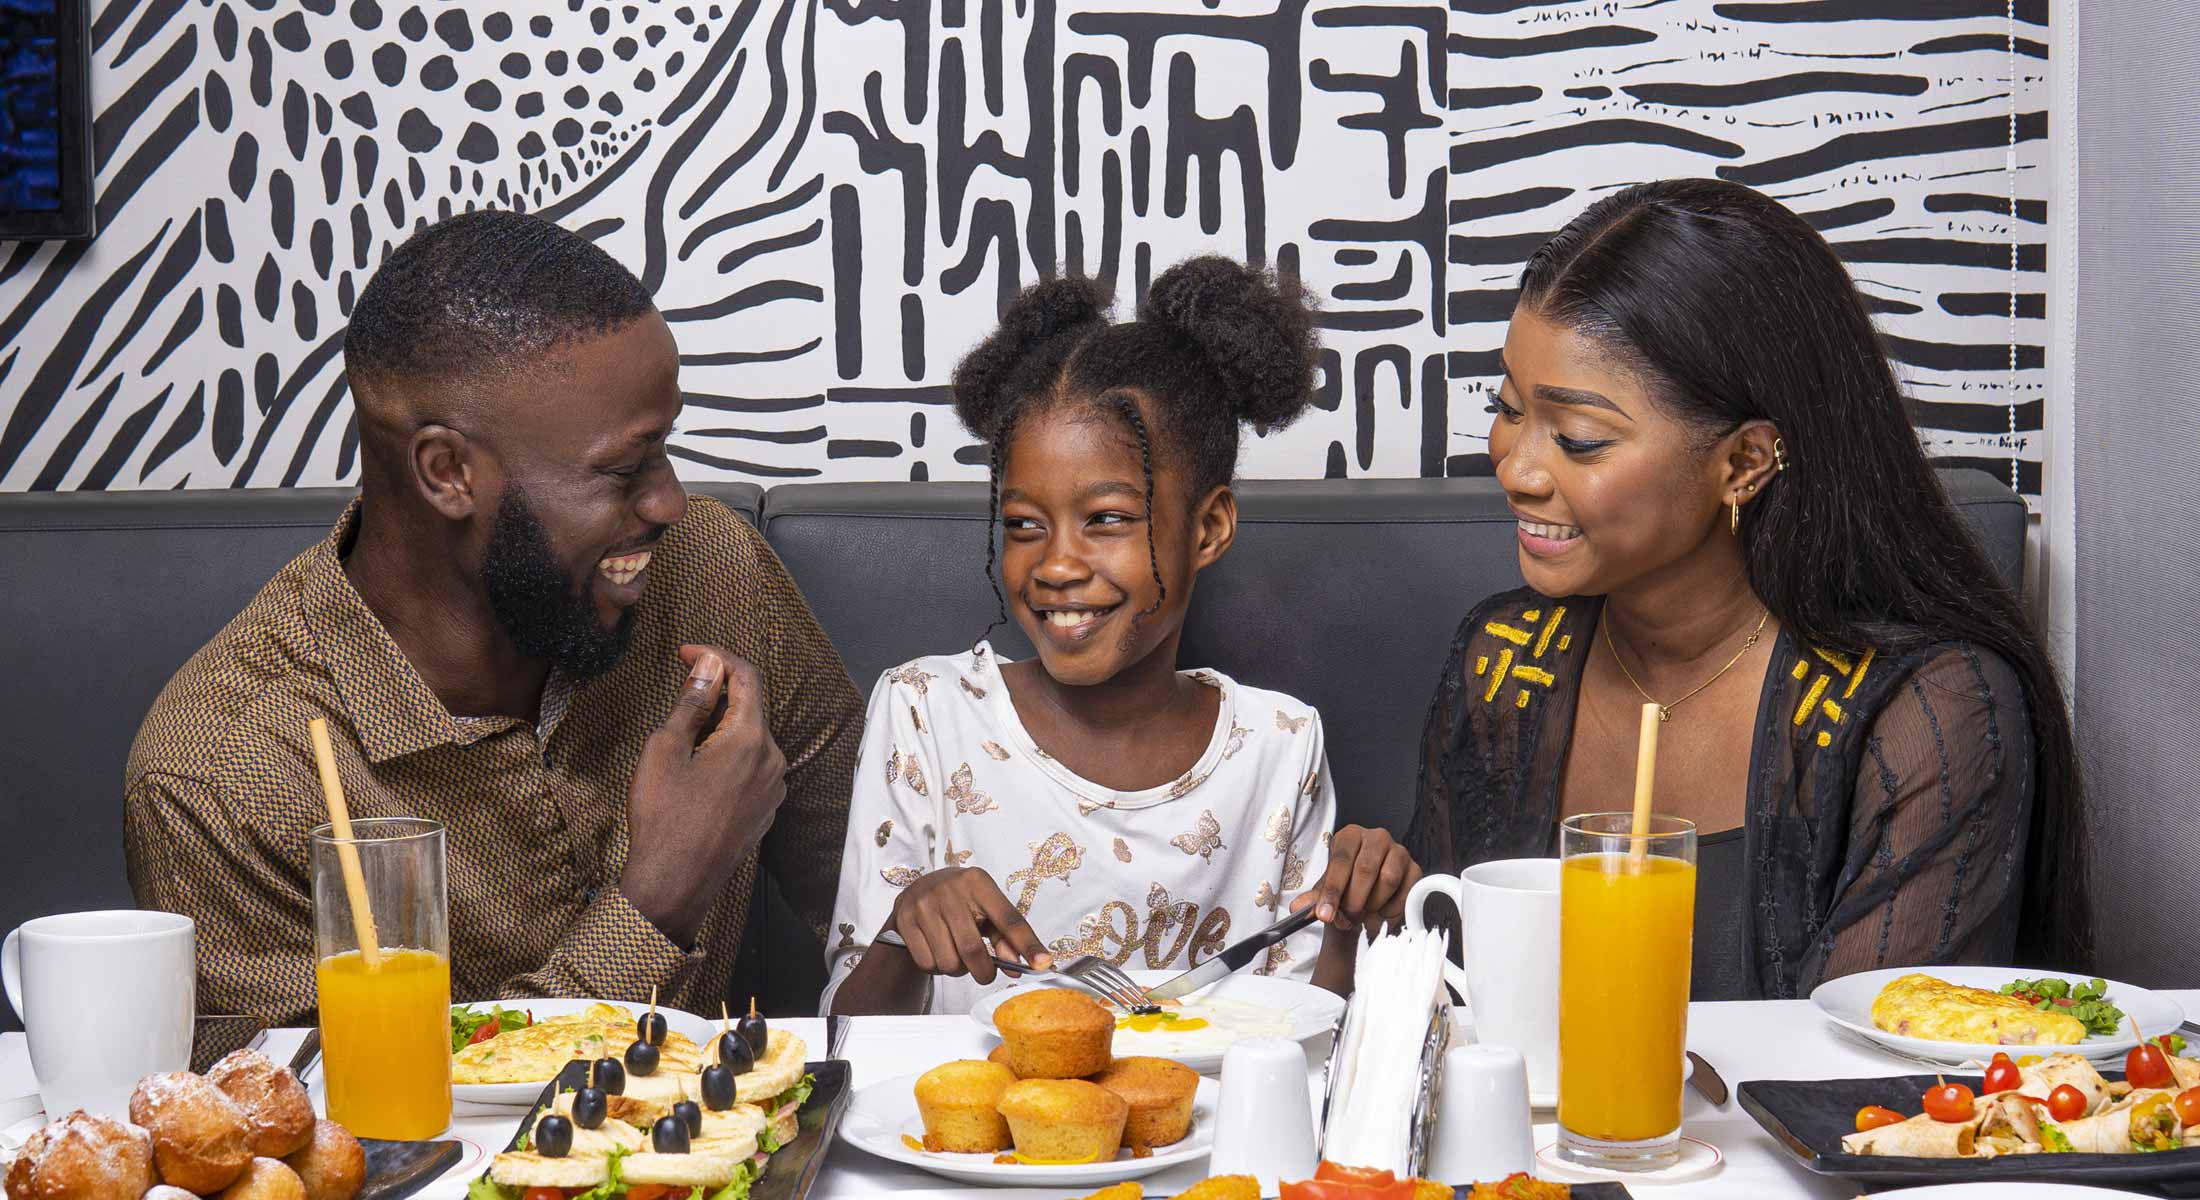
[
  {"x": 1725, "y": 511},
  {"x": 1096, "y": 800}
]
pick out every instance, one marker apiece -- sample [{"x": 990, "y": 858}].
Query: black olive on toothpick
[
  {"x": 718, "y": 1088},
  {"x": 753, "y": 1030},
  {"x": 553, "y": 1136},
  {"x": 590, "y": 1103},
  {"x": 733, "y": 1049},
  {"x": 669, "y": 1136},
  {"x": 611, "y": 1076},
  {"x": 691, "y": 1116},
  {"x": 650, "y": 1026},
  {"x": 641, "y": 1058}
]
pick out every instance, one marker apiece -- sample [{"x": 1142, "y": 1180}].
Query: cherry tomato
[
  {"x": 2147, "y": 1067},
  {"x": 1871, "y": 1116},
  {"x": 544, "y": 1194},
  {"x": 2188, "y": 1107},
  {"x": 2002, "y": 1075},
  {"x": 2067, "y": 1103},
  {"x": 1951, "y": 1102}
]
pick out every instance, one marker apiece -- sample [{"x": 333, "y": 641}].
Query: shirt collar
[{"x": 392, "y": 709}]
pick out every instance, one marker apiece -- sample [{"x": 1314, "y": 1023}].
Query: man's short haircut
[{"x": 485, "y": 292}]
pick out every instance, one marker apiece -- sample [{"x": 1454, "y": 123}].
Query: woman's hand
[
  {"x": 1367, "y": 879},
  {"x": 947, "y": 916}
]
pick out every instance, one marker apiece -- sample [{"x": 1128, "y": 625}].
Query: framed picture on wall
[{"x": 45, "y": 121}]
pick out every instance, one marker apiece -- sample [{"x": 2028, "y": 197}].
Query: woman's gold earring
[
  {"x": 1734, "y": 517},
  {"x": 1779, "y": 455}
]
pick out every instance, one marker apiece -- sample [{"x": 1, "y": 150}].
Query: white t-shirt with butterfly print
[{"x": 1156, "y": 878}]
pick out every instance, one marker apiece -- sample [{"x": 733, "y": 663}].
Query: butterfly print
[
  {"x": 911, "y": 676},
  {"x": 962, "y": 789},
  {"x": 975, "y": 691},
  {"x": 1277, "y": 832},
  {"x": 901, "y": 876},
  {"x": 1268, "y": 897},
  {"x": 1204, "y": 839},
  {"x": 1238, "y": 734},
  {"x": 1122, "y": 850},
  {"x": 1290, "y": 724},
  {"x": 995, "y": 751},
  {"x": 885, "y": 831},
  {"x": 1051, "y": 858},
  {"x": 916, "y": 718},
  {"x": 847, "y": 937},
  {"x": 912, "y": 773}
]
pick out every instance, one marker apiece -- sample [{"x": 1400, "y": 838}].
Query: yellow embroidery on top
[
  {"x": 1839, "y": 662},
  {"x": 1802, "y": 668},
  {"x": 1518, "y": 637},
  {"x": 1481, "y": 663},
  {"x": 1520, "y": 698},
  {"x": 1565, "y": 640},
  {"x": 1857, "y": 679},
  {"x": 1824, "y": 738},
  {"x": 1543, "y": 643},
  {"x": 1832, "y": 710},
  {"x": 1497, "y": 677},
  {"x": 1533, "y": 614},
  {"x": 1810, "y": 698},
  {"x": 1533, "y": 675}
]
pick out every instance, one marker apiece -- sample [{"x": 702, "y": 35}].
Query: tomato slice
[
  {"x": 488, "y": 1030},
  {"x": 1334, "y": 1182},
  {"x": 544, "y": 1193},
  {"x": 648, "y": 1191}
]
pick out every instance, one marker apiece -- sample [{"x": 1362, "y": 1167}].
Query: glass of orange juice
[
  {"x": 385, "y": 1015},
  {"x": 1627, "y": 909}
]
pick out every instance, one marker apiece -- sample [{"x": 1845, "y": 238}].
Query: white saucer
[{"x": 1697, "y": 1160}]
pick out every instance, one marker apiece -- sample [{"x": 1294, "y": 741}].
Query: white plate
[
  {"x": 1847, "y": 1002},
  {"x": 1978, "y": 1191},
  {"x": 524, "y": 1095},
  {"x": 881, "y": 1113},
  {"x": 1313, "y": 1011}
]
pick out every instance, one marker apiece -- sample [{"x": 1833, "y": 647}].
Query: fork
[{"x": 1090, "y": 972}]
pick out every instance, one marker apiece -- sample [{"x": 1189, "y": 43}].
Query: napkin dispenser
[{"x": 1424, "y": 1086}]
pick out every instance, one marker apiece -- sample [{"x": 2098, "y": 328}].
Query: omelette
[
  {"x": 1921, "y": 1006},
  {"x": 538, "y": 1052}
]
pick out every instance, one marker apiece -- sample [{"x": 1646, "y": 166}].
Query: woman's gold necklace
[{"x": 1665, "y": 711}]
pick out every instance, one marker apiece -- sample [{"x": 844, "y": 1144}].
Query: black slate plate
[
  {"x": 1809, "y": 1117},
  {"x": 793, "y": 1167},
  {"x": 398, "y": 1169}
]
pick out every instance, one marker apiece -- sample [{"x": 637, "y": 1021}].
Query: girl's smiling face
[
  {"x": 1608, "y": 487},
  {"x": 1081, "y": 548}
]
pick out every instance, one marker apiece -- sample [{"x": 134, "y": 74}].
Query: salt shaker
[
  {"x": 1264, "y": 1119},
  {"x": 1483, "y": 1128}
]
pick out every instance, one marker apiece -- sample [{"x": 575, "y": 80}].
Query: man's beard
[{"x": 546, "y": 616}]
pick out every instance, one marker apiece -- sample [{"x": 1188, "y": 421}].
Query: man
[{"x": 610, "y": 693}]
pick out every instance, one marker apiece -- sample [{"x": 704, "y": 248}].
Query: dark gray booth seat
[{"x": 1344, "y": 593}]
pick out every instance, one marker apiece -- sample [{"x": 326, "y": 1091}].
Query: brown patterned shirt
[{"x": 221, "y": 791}]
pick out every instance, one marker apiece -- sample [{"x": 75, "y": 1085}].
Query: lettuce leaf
[
  {"x": 795, "y": 1095},
  {"x": 2053, "y": 1140},
  {"x": 614, "y": 1184},
  {"x": 484, "y": 1188},
  {"x": 739, "y": 1188}
]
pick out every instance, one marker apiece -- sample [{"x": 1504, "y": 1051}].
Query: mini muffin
[
  {"x": 83, "y": 1157},
  {"x": 999, "y": 1054},
  {"x": 277, "y": 1111},
  {"x": 1055, "y": 1033},
  {"x": 265, "y": 1179},
  {"x": 959, "y": 1103},
  {"x": 1064, "y": 1120},
  {"x": 199, "y": 1134},
  {"x": 1159, "y": 1093},
  {"x": 332, "y": 1164}
]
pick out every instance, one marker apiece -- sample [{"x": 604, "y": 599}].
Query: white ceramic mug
[
  {"x": 1508, "y": 920},
  {"x": 107, "y": 999}
]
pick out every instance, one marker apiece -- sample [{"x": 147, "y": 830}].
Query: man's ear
[
  {"x": 448, "y": 471},
  {"x": 1214, "y": 527}
]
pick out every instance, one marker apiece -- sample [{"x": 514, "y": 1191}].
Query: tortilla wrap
[
  {"x": 2187, "y": 1071},
  {"x": 2042, "y": 1078},
  {"x": 1918, "y": 1137},
  {"x": 2007, "y": 1111},
  {"x": 2109, "y": 1131}
]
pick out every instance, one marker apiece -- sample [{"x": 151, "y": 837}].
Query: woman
[
  {"x": 1095, "y": 799},
  {"x": 1724, "y": 511}
]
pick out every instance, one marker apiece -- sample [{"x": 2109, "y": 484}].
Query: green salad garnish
[{"x": 2087, "y": 1001}]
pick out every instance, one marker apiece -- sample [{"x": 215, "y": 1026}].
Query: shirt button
[{"x": 588, "y": 894}]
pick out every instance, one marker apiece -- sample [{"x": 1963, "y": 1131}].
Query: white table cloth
[{"x": 1774, "y": 1039}]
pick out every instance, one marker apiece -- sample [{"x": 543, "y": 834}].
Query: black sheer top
[{"x": 1888, "y": 794}]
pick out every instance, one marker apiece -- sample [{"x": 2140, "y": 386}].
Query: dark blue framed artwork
[{"x": 45, "y": 121}]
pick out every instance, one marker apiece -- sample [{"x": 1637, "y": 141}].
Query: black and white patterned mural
[{"x": 831, "y": 198}]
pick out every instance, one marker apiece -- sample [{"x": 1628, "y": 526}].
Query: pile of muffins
[
  {"x": 1053, "y": 1089},
  {"x": 243, "y": 1131}
]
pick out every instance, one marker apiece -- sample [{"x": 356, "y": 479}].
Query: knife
[
  {"x": 1705, "y": 1080},
  {"x": 1235, "y": 957},
  {"x": 309, "y": 1053}
]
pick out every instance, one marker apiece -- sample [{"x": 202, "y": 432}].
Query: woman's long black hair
[
  {"x": 1218, "y": 344},
  {"x": 1736, "y": 310}
]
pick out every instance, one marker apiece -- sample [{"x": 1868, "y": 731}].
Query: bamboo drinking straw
[
  {"x": 355, "y": 880},
  {"x": 1646, "y": 774}
]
